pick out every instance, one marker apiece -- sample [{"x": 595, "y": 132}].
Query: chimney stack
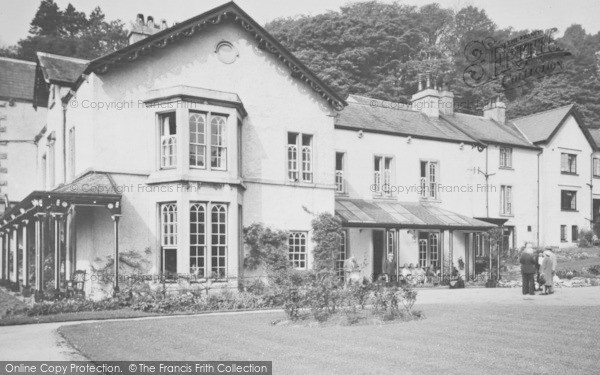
[
  {"x": 141, "y": 29},
  {"x": 495, "y": 110},
  {"x": 446, "y": 100},
  {"x": 426, "y": 100}
]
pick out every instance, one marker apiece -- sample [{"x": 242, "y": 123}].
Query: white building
[{"x": 170, "y": 146}]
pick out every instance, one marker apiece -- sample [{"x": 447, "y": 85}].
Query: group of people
[
  {"x": 408, "y": 273},
  {"x": 541, "y": 264}
]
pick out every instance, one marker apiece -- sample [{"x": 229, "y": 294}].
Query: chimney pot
[
  {"x": 163, "y": 23},
  {"x": 495, "y": 110},
  {"x": 140, "y": 19},
  {"x": 150, "y": 22}
]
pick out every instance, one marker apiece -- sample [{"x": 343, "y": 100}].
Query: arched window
[
  {"x": 297, "y": 249},
  {"x": 218, "y": 240},
  {"x": 198, "y": 240},
  {"x": 168, "y": 225},
  {"x": 218, "y": 142},
  {"x": 197, "y": 123}
]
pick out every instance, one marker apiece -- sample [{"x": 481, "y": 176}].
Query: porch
[
  {"x": 37, "y": 235},
  {"x": 422, "y": 238}
]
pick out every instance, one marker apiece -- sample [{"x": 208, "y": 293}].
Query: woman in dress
[{"x": 548, "y": 270}]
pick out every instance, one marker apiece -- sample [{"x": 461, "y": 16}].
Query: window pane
[
  {"x": 297, "y": 249},
  {"x": 197, "y": 123},
  {"x": 219, "y": 240}
]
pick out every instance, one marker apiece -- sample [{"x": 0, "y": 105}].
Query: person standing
[
  {"x": 389, "y": 268},
  {"x": 528, "y": 262},
  {"x": 548, "y": 270}
]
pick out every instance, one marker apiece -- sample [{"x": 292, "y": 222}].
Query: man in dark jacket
[{"x": 529, "y": 263}]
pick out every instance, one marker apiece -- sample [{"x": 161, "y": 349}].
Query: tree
[{"x": 69, "y": 33}]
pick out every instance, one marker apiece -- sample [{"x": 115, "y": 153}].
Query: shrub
[
  {"x": 327, "y": 231},
  {"x": 594, "y": 270},
  {"x": 267, "y": 247},
  {"x": 586, "y": 238}
]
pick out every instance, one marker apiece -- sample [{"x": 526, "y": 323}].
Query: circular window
[{"x": 226, "y": 52}]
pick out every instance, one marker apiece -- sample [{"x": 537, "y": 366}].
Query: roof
[
  {"x": 92, "y": 182},
  {"x": 91, "y": 189},
  {"x": 61, "y": 69},
  {"x": 229, "y": 12},
  {"x": 488, "y": 130},
  {"x": 539, "y": 127},
  {"x": 595, "y": 133},
  {"x": 368, "y": 213},
  {"x": 391, "y": 118},
  {"x": 16, "y": 79}
]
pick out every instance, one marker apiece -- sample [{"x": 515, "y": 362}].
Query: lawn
[{"x": 453, "y": 339}]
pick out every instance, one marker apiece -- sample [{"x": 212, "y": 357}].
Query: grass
[{"x": 453, "y": 339}]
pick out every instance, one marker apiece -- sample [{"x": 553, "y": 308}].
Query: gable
[{"x": 229, "y": 12}]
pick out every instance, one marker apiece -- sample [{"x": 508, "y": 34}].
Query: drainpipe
[
  {"x": 487, "y": 187},
  {"x": 538, "y": 197},
  {"x": 591, "y": 190}
]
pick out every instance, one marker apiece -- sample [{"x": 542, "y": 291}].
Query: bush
[
  {"x": 586, "y": 238},
  {"x": 594, "y": 270}
]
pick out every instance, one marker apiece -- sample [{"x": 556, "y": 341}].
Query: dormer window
[{"x": 168, "y": 140}]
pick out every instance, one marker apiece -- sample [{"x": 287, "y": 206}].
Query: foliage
[
  {"x": 377, "y": 49},
  {"x": 267, "y": 246},
  {"x": 326, "y": 235},
  {"x": 69, "y": 32},
  {"x": 586, "y": 238}
]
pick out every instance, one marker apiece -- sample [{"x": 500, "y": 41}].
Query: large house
[{"x": 171, "y": 145}]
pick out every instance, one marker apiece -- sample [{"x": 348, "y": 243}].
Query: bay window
[{"x": 208, "y": 232}]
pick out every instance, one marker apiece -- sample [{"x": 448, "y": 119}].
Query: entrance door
[
  {"x": 378, "y": 252},
  {"x": 596, "y": 213}
]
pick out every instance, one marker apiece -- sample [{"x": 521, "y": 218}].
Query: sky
[{"x": 15, "y": 16}]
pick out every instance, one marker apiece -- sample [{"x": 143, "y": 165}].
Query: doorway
[{"x": 378, "y": 252}]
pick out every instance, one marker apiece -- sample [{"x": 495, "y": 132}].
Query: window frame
[
  {"x": 506, "y": 157},
  {"x": 302, "y": 254},
  {"x": 563, "y": 233},
  {"x": 506, "y": 200},
  {"x": 174, "y": 139},
  {"x": 596, "y": 167},
  {"x": 383, "y": 175},
  {"x": 173, "y": 242},
  {"x": 340, "y": 181},
  {"x": 426, "y": 182},
  {"x": 208, "y": 246},
  {"x": 574, "y": 233},
  {"x": 342, "y": 254},
  {"x": 303, "y": 160},
  {"x": 573, "y": 203},
  {"x": 568, "y": 163}
]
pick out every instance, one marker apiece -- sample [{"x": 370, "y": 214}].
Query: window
[
  {"x": 506, "y": 200},
  {"x": 574, "y": 233},
  {"x": 342, "y": 255},
  {"x": 168, "y": 140},
  {"x": 568, "y": 163},
  {"x": 596, "y": 167},
  {"x": 218, "y": 240},
  {"x": 217, "y": 144},
  {"x": 72, "y": 152},
  {"x": 200, "y": 241},
  {"x": 382, "y": 175},
  {"x": 429, "y": 250},
  {"x": 300, "y": 145},
  {"x": 481, "y": 244},
  {"x": 197, "y": 123},
  {"x": 568, "y": 200},
  {"x": 297, "y": 249},
  {"x": 563, "y": 233},
  {"x": 339, "y": 173},
  {"x": 505, "y": 157},
  {"x": 429, "y": 179},
  {"x": 529, "y": 228},
  {"x": 168, "y": 235}
]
